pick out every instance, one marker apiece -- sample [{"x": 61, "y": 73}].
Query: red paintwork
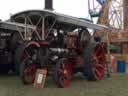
[
  {"x": 65, "y": 74},
  {"x": 29, "y": 72},
  {"x": 98, "y": 59}
]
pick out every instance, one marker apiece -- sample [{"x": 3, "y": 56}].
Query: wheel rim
[
  {"x": 98, "y": 61},
  {"x": 65, "y": 74}
]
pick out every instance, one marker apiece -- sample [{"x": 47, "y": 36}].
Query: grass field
[{"x": 117, "y": 85}]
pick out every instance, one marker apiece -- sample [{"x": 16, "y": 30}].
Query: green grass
[{"x": 117, "y": 85}]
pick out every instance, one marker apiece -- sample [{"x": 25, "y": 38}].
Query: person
[
  {"x": 113, "y": 63},
  {"x": 97, "y": 37}
]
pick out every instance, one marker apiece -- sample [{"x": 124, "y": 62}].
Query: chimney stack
[{"x": 49, "y": 4}]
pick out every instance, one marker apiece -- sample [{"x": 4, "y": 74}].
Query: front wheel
[{"x": 63, "y": 73}]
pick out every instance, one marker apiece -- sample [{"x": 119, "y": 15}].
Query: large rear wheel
[
  {"x": 29, "y": 63},
  {"x": 94, "y": 57},
  {"x": 27, "y": 71}
]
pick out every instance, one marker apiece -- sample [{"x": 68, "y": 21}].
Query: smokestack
[{"x": 49, "y": 4}]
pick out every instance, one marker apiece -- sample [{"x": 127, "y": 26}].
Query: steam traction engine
[{"x": 62, "y": 44}]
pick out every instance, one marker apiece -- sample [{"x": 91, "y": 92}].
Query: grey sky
[{"x": 78, "y": 8}]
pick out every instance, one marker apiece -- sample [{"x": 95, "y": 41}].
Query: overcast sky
[{"x": 78, "y": 8}]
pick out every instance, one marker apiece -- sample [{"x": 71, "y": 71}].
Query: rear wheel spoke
[
  {"x": 100, "y": 56},
  {"x": 98, "y": 73},
  {"x": 100, "y": 65},
  {"x": 98, "y": 50}
]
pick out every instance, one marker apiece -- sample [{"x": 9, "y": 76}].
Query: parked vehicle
[{"x": 62, "y": 44}]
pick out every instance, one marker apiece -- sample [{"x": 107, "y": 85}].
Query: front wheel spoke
[{"x": 97, "y": 73}]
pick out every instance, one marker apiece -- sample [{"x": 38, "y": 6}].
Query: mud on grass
[{"x": 117, "y": 85}]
